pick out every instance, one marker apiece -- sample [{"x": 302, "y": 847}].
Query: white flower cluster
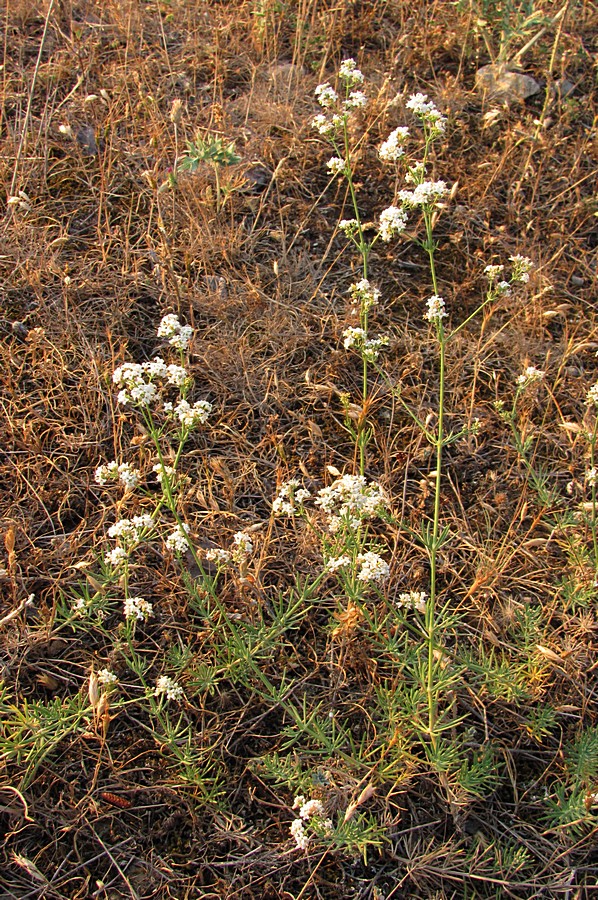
[
  {"x": 163, "y": 471},
  {"x": 166, "y": 685},
  {"x": 329, "y": 99},
  {"x": 592, "y": 395},
  {"x": 311, "y": 812},
  {"x": 137, "y": 608},
  {"x": 425, "y": 193},
  {"x": 493, "y": 272},
  {"x": 326, "y": 96},
  {"x": 349, "y": 72},
  {"x": 522, "y": 266},
  {"x": 243, "y": 547},
  {"x": 188, "y": 415},
  {"x": 356, "y": 100},
  {"x": 368, "y": 347},
  {"x": 131, "y": 529},
  {"x": 413, "y": 600},
  {"x": 530, "y": 376},
  {"x": 349, "y": 500},
  {"x": 349, "y": 227},
  {"x": 115, "y": 557},
  {"x": 427, "y": 111},
  {"x": 290, "y": 498},
  {"x": 364, "y": 296},
  {"x": 178, "y": 335},
  {"x": 393, "y": 221},
  {"x": 105, "y": 676},
  {"x": 592, "y": 476},
  {"x": 177, "y": 540},
  {"x": 124, "y": 473},
  {"x": 337, "y": 562},
  {"x": 373, "y": 567},
  {"x": 336, "y": 165},
  {"x": 391, "y": 150},
  {"x": 130, "y": 377},
  {"x": 436, "y": 310}
]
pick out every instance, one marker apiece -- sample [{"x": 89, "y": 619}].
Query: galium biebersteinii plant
[{"x": 422, "y": 196}]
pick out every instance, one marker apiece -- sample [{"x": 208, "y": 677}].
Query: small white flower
[
  {"x": 128, "y": 373},
  {"x": 349, "y": 227},
  {"x": 298, "y": 801},
  {"x": 163, "y": 471},
  {"x": 143, "y": 522},
  {"x": 169, "y": 326},
  {"x": 373, "y": 567},
  {"x": 339, "y": 562},
  {"x": 105, "y": 676},
  {"x": 326, "y": 96},
  {"x": 391, "y": 149},
  {"x": 323, "y": 125},
  {"x": 428, "y": 192},
  {"x": 436, "y": 310},
  {"x": 592, "y": 476},
  {"x": 179, "y": 336},
  {"x": 177, "y": 375},
  {"x": 349, "y": 72},
  {"x": 217, "y": 555},
  {"x": 493, "y": 272},
  {"x": 300, "y": 835},
  {"x": 123, "y": 528},
  {"x": 128, "y": 476},
  {"x": 311, "y": 808},
  {"x": 393, "y": 221},
  {"x": 372, "y": 347},
  {"x": 592, "y": 395},
  {"x": 355, "y": 100},
  {"x": 290, "y": 498},
  {"x": 107, "y": 472},
  {"x": 189, "y": 416},
  {"x": 413, "y": 600},
  {"x": 349, "y": 500},
  {"x": 177, "y": 540},
  {"x": 530, "y": 376},
  {"x": 364, "y": 295},
  {"x": 336, "y": 165},
  {"x": 157, "y": 368},
  {"x": 243, "y": 543},
  {"x": 354, "y": 337},
  {"x": 522, "y": 266},
  {"x": 137, "y": 608},
  {"x": 504, "y": 288},
  {"x": 166, "y": 685},
  {"x": 115, "y": 557},
  {"x": 427, "y": 111}
]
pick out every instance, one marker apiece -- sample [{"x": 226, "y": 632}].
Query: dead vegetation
[{"x": 100, "y": 237}]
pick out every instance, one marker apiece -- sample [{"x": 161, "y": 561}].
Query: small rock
[
  {"x": 498, "y": 83},
  {"x": 87, "y": 140},
  {"x": 20, "y": 330}
]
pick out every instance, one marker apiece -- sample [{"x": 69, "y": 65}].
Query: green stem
[
  {"x": 592, "y": 466},
  {"x": 364, "y": 249},
  {"x": 430, "y": 617}
]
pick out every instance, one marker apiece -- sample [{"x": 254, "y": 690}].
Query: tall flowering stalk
[
  {"x": 335, "y": 124},
  {"x": 424, "y": 195},
  {"x": 420, "y": 194}
]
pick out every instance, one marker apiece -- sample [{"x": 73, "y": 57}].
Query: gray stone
[{"x": 497, "y": 83}]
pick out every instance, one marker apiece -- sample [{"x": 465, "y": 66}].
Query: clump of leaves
[{"x": 213, "y": 151}]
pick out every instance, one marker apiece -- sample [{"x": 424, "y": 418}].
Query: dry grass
[{"x": 88, "y": 268}]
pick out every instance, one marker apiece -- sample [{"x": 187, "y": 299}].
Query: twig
[{"x": 15, "y": 173}]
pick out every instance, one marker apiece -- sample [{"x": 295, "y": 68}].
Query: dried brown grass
[{"x": 85, "y": 276}]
